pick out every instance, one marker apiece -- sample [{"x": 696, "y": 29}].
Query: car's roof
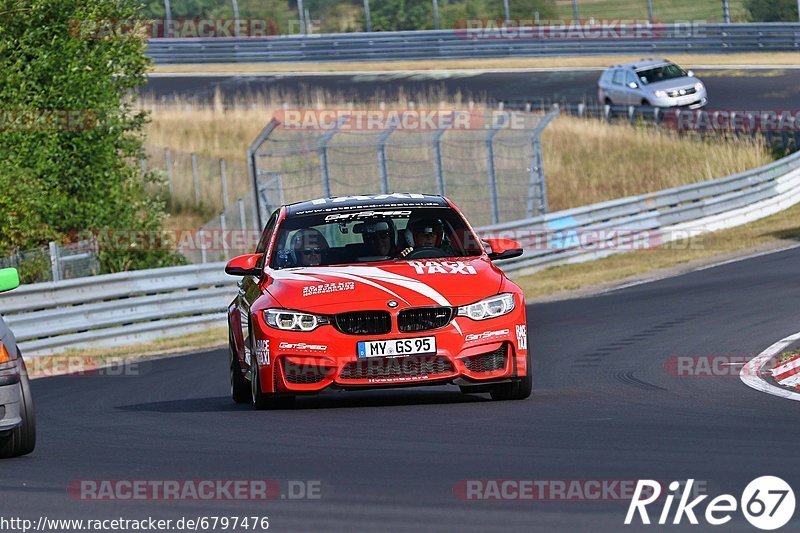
[
  {"x": 643, "y": 63},
  {"x": 348, "y": 203}
]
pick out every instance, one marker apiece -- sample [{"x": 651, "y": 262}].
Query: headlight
[
  {"x": 698, "y": 86},
  {"x": 294, "y": 320},
  {"x": 491, "y": 307},
  {"x": 660, "y": 94}
]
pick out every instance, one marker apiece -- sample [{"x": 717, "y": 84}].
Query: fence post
[
  {"x": 491, "y": 171},
  {"x": 168, "y": 162},
  {"x": 537, "y": 187},
  {"x": 367, "y": 18},
  {"x": 437, "y": 153},
  {"x": 143, "y": 163},
  {"x": 224, "y": 229},
  {"x": 650, "y": 10},
  {"x": 223, "y": 178},
  {"x": 55, "y": 261},
  {"x": 203, "y": 253},
  {"x": 726, "y": 11},
  {"x": 242, "y": 214},
  {"x": 196, "y": 176},
  {"x": 382, "y": 164},
  {"x": 322, "y": 147}
]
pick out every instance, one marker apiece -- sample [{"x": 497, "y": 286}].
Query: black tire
[
  {"x": 240, "y": 389},
  {"x": 608, "y": 101},
  {"x": 516, "y": 390},
  {"x": 22, "y": 439},
  {"x": 261, "y": 400},
  {"x": 645, "y": 103}
]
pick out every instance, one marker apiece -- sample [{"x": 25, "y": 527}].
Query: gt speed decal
[
  {"x": 325, "y": 288},
  {"x": 442, "y": 267},
  {"x": 302, "y": 346},
  {"x": 262, "y": 351},
  {"x": 486, "y": 335},
  {"x": 522, "y": 337},
  {"x": 367, "y": 214}
]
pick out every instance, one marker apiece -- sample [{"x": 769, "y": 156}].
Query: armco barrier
[
  {"x": 459, "y": 44},
  {"x": 114, "y": 309},
  {"x": 135, "y": 306}
]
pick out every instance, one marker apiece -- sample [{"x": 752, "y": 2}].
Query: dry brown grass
[
  {"x": 585, "y": 161},
  {"x": 687, "y": 60},
  {"x": 588, "y": 161}
]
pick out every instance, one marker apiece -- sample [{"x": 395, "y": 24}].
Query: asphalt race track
[
  {"x": 603, "y": 408},
  {"x": 760, "y": 89}
]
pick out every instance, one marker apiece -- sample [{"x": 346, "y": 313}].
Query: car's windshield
[
  {"x": 372, "y": 235},
  {"x": 668, "y": 71}
]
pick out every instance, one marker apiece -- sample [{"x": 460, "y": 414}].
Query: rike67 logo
[{"x": 767, "y": 503}]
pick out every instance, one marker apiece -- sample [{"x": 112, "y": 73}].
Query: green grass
[{"x": 663, "y": 10}]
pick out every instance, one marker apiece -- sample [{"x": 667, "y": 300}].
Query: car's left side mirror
[
  {"x": 502, "y": 248},
  {"x": 690, "y": 73},
  {"x": 244, "y": 265},
  {"x": 9, "y": 279},
  {"x": 633, "y": 85}
]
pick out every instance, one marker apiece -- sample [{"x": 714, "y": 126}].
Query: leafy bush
[
  {"x": 772, "y": 10},
  {"x": 75, "y": 170}
]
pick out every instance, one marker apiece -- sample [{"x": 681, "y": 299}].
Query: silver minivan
[{"x": 651, "y": 82}]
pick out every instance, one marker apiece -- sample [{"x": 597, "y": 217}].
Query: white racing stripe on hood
[
  {"x": 388, "y": 277},
  {"x": 293, "y": 275}
]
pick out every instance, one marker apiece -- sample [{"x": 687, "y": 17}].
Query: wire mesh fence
[
  {"x": 494, "y": 173},
  {"x": 55, "y": 262},
  {"x": 195, "y": 182}
]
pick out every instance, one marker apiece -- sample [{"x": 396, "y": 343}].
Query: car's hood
[
  {"x": 675, "y": 83},
  {"x": 426, "y": 282}
]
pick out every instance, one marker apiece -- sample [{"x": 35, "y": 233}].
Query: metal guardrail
[
  {"x": 590, "y": 232},
  {"x": 141, "y": 305},
  {"x": 113, "y": 309},
  {"x": 460, "y": 44}
]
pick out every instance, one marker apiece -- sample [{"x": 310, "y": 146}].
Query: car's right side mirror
[
  {"x": 502, "y": 248},
  {"x": 9, "y": 279},
  {"x": 244, "y": 265},
  {"x": 633, "y": 85},
  {"x": 690, "y": 73}
]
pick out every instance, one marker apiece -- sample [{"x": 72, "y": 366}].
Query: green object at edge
[{"x": 9, "y": 279}]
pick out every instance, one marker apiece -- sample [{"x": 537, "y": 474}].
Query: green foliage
[
  {"x": 772, "y": 10},
  {"x": 76, "y": 172}
]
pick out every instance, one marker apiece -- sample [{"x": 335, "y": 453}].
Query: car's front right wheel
[
  {"x": 262, "y": 400},
  {"x": 515, "y": 390},
  {"x": 22, "y": 439}
]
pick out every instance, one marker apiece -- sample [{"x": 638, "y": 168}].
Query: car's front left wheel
[
  {"x": 240, "y": 391},
  {"x": 515, "y": 390},
  {"x": 22, "y": 439}
]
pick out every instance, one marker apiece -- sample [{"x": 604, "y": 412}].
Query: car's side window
[
  {"x": 269, "y": 229},
  {"x": 618, "y": 77}
]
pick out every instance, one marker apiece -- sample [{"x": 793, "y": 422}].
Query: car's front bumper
[
  {"x": 10, "y": 415},
  {"x": 468, "y": 353},
  {"x": 690, "y": 101}
]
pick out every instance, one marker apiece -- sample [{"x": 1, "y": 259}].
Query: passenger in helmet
[
  {"x": 379, "y": 236},
  {"x": 308, "y": 245}
]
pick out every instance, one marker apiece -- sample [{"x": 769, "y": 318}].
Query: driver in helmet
[{"x": 423, "y": 233}]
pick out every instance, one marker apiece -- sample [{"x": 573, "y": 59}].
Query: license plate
[{"x": 396, "y": 347}]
